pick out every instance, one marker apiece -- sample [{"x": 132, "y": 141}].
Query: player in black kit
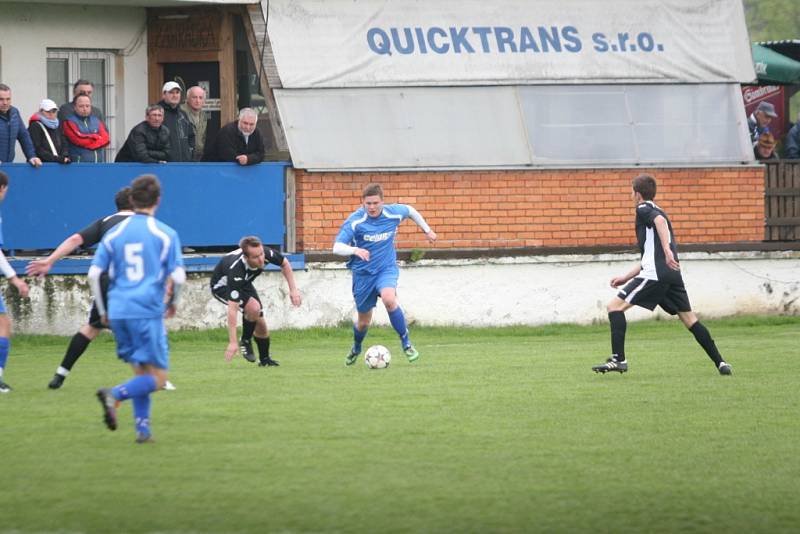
[
  {"x": 88, "y": 237},
  {"x": 655, "y": 281},
  {"x": 232, "y": 284}
]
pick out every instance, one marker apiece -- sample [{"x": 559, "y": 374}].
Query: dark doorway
[{"x": 206, "y": 75}]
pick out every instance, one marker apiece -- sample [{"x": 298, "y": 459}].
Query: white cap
[
  {"x": 47, "y": 105},
  {"x": 169, "y": 86}
]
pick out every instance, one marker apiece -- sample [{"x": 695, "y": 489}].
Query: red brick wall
[{"x": 538, "y": 208}]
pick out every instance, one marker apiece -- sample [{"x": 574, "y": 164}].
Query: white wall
[
  {"x": 28, "y": 30},
  {"x": 505, "y": 291}
]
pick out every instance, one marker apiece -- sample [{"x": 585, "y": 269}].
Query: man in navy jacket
[{"x": 12, "y": 129}]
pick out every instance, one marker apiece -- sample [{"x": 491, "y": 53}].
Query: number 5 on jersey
[{"x": 133, "y": 257}]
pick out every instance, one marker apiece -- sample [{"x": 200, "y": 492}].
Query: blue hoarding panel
[{"x": 209, "y": 204}]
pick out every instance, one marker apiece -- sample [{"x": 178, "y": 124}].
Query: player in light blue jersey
[
  {"x": 140, "y": 254},
  {"x": 367, "y": 237},
  {"x": 22, "y": 287}
]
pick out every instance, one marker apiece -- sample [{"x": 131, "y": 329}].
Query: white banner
[{"x": 368, "y": 43}]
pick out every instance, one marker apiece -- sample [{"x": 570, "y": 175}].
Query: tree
[{"x": 772, "y": 20}]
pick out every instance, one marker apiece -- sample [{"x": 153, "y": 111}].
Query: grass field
[{"x": 492, "y": 430}]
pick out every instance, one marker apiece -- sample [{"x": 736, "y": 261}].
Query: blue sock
[
  {"x": 398, "y": 321},
  {"x": 358, "y": 337},
  {"x": 135, "y": 387},
  {"x": 5, "y": 345},
  {"x": 141, "y": 413}
]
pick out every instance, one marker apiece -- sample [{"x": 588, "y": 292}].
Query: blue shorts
[
  {"x": 367, "y": 287},
  {"x": 2, "y": 305},
  {"x": 142, "y": 341}
]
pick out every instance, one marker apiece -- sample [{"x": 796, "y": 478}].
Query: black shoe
[
  {"x": 247, "y": 350},
  {"x": 269, "y": 362},
  {"x": 725, "y": 369},
  {"x": 611, "y": 365},
  {"x": 109, "y": 404},
  {"x": 56, "y": 382},
  {"x": 4, "y": 388}
]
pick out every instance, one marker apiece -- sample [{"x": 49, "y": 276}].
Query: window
[{"x": 65, "y": 67}]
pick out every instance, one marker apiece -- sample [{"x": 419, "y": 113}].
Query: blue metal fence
[{"x": 208, "y": 204}]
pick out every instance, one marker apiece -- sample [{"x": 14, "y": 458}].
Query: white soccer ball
[{"x": 377, "y": 357}]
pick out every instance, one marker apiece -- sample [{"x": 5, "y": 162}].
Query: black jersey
[
  {"x": 93, "y": 233},
  {"x": 232, "y": 272},
  {"x": 654, "y": 265}
]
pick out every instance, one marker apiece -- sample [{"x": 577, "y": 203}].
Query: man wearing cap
[
  {"x": 181, "y": 131},
  {"x": 45, "y": 131},
  {"x": 12, "y": 129},
  {"x": 759, "y": 120}
]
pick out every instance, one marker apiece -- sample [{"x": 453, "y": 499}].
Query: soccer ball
[{"x": 377, "y": 357}]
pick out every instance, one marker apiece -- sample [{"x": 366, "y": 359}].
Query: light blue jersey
[
  {"x": 375, "y": 234},
  {"x": 139, "y": 254}
]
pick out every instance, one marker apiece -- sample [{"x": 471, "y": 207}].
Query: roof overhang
[
  {"x": 136, "y": 3},
  {"x": 775, "y": 67}
]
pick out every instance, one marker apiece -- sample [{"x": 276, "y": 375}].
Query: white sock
[{"x": 61, "y": 371}]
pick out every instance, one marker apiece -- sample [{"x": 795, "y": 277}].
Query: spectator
[
  {"x": 765, "y": 148},
  {"x": 239, "y": 141},
  {"x": 12, "y": 129},
  {"x": 791, "y": 143},
  {"x": 195, "y": 100},
  {"x": 48, "y": 141},
  {"x": 148, "y": 141},
  {"x": 86, "y": 134},
  {"x": 181, "y": 131},
  {"x": 759, "y": 121},
  {"x": 80, "y": 87}
]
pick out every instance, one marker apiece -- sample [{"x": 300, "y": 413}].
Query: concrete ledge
[{"x": 530, "y": 290}]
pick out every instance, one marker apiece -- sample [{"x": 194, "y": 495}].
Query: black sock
[
  {"x": 703, "y": 336},
  {"x": 248, "y": 327},
  {"x": 618, "y": 326},
  {"x": 263, "y": 348},
  {"x": 77, "y": 346}
]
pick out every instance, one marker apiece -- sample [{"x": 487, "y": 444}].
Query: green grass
[{"x": 492, "y": 430}]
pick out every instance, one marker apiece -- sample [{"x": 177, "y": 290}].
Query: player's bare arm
[
  {"x": 43, "y": 266},
  {"x": 12, "y": 277},
  {"x": 621, "y": 280},
  {"x": 663, "y": 235},
  {"x": 172, "y": 291},
  {"x": 21, "y": 286},
  {"x": 288, "y": 274}
]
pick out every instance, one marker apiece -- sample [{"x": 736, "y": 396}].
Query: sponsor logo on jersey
[{"x": 378, "y": 237}]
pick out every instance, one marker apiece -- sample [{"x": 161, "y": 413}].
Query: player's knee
[
  {"x": 252, "y": 310},
  {"x": 389, "y": 300}
]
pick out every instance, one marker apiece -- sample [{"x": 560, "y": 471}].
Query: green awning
[{"x": 774, "y": 67}]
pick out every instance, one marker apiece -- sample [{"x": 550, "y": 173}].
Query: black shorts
[
  {"x": 241, "y": 296},
  {"x": 648, "y": 294}
]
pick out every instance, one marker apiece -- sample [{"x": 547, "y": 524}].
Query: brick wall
[{"x": 538, "y": 208}]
